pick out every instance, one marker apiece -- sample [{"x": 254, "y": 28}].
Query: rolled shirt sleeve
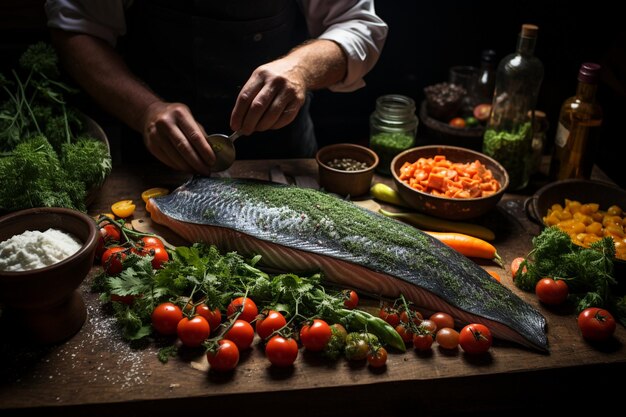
[
  {"x": 355, "y": 27},
  {"x": 100, "y": 18}
]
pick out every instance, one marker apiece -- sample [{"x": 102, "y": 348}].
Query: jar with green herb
[{"x": 393, "y": 126}]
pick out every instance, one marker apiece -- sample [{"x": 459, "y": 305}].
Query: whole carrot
[{"x": 469, "y": 246}]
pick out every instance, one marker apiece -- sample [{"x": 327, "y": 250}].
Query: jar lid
[{"x": 589, "y": 73}]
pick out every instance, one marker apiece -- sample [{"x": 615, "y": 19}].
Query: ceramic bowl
[
  {"x": 342, "y": 182},
  {"x": 45, "y": 301},
  {"x": 448, "y": 208}
]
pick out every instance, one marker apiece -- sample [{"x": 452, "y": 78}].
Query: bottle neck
[
  {"x": 525, "y": 45},
  {"x": 586, "y": 92}
]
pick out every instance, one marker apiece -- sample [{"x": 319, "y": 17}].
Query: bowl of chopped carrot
[{"x": 448, "y": 181}]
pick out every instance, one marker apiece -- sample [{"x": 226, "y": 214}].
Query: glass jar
[
  {"x": 393, "y": 126},
  {"x": 540, "y": 127}
]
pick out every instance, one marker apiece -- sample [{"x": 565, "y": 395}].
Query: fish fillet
[{"x": 303, "y": 231}]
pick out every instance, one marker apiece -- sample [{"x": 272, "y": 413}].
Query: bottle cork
[{"x": 529, "y": 31}]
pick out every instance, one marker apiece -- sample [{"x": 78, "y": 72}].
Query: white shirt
[{"x": 353, "y": 24}]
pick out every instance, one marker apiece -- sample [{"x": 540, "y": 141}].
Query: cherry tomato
[
  {"x": 123, "y": 208},
  {"x": 405, "y": 333},
  {"x": 153, "y": 192},
  {"x": 192, "y": 332},
  {"x": 423, "y": 341},
  {"x": 356, "y": 350},
  {"x": 110, "y": 233},
  {"x": 269, "y": 322},
  {"x": 281, "y": 351},
  {"x": 457, "y": 122},
  {"x": 390, "y": 315},
  {"x": 214, "y": 317},
  {"x": 428, "y": 326},
  {"x": 159, "y": 256},
  {"x": 112, "y": 259},
  {"x": 412, "y": 315},
  {"x": 165, "y": 318},
  {"x": 482, "y": 112},
  {"x": 596, "y": 324},
  {"x": 551, "y": 291},
  {"x": 447, "y": 338},
  {"x": 225, "y": 357},
  {"x": 495, "y": 275},
  {"x": 248, "y": 308},
  {"x": 377, "y": 358},
  {"x": 150, "y": 241},
  {"x": 351, "y": 299},
  {"x": 315, "y": 336},
  {"x": 442, "y": 320},
  {"x": 475, "y": 338},
  {"x": 241, "y": 333},
  {"x": 515, "y": 264}
]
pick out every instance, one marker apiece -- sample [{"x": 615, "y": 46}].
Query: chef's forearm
[
  {"x": 101, "y": 72},
  {"x": 322, "y": 63}
]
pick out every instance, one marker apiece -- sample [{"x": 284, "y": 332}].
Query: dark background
[{"x": 425, "y": 39}]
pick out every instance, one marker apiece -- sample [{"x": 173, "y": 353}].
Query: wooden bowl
[
  {"x": 448, "y": 208},
  {"x": 344, "y": 183},
  {"x": 45, "y": 301}
]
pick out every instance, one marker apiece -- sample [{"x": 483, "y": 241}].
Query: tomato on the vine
[
  {"x": 423, "y": 341},
  {"x": 551, "y": 291},
  {"x": 442, "y": 320},
  {"x": 428, "y": 326},
  {"x": 351, "y": 299},
  {"x": 596, "y": 324},
  {"x": 390, "y": 315},
  {"x": 411, "y": 315},
  {"x": 241, "y": 333},
  {"x": 110, "y": 233},
  {"x": 214, "y": 317},
  {"x": 112, "y": 259},
  {"x": 224, "y": 357},
  {"x": 165, "y": 318},
  {"x": 248, "y": 308},
  {"x": 475, "y": 338},
  {"x": 447, "y": 338},
  {"x": 315, "y": 336},
  {"x": 281, "y": 351},
  {"x": 268, "y": 322},
  {"x": 159, "y": 256},
  {"x": 377, "y": 358},
  {"x": 192, "y": 332},
  {"x": 150, "y": 241},
  {"x": 405, "y": 333}
]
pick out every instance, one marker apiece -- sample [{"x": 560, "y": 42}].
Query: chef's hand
[
  {"x": 173, "y": 136},
  {"x": 271, "y": 98}
]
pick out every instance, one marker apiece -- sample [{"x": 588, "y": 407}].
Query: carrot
[{"x": 469, "y": 246}]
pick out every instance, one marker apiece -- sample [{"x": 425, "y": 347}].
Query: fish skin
[{"x": 391, "y": 249}]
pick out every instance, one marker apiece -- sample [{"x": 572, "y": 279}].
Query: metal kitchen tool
[{"x": 224, "y": 148}]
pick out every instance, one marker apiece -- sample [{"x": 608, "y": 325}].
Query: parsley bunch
[{"x": 43, "y": 159}]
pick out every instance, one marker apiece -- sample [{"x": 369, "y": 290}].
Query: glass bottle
[
  {"x": 393, "y": 126},
  {"x": 508, "y": 135},
  {"x": 540, "y": 127},
  {"x": 486, "y": 81},
  {"x": 579, "y": 125}
]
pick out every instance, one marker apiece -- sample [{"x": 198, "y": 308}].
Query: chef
[{"x": 176, "y": 70}]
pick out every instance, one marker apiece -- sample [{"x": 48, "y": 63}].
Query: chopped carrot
[{"x": 441, "y": 177}]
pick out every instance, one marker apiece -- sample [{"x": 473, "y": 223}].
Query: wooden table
[{"x": 96, "y": 373}]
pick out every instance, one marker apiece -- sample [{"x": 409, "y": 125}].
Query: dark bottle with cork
[{"x": 579, "y": 125}]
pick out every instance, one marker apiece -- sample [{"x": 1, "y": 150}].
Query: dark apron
[{"x": 201, "y": 53}]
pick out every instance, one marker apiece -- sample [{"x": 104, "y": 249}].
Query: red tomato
[
  {"x": 150, "y": 241},
  {"x": 192, "y": 332},
  {"x": 390, "y": 315},
  {"x": 482, "y": 112},
  {"x": 551, "y": 291},
  {"x": 241, "y": 333},
  {"x": 351, "y": 299},
  {"x": 475, "y": 338},
  {"x": 428, "y": 326},
  {"x": 281, "y": 352},
  {"x": 442, "y": 320},
  {"x": 415, "y": 316},
  {"x": 159, "y": 256},
  {"x": 214, "y": 317},
  {"x": 377, "y": 358},
  {"x": 405, "y": 333},
  {"x": 269, "y": 322},
  {"x": 165, "y": 318},
  {"x": 515, "y": 264},
  {"x": 596, "y": 324},
  {"x": 110, "y": 233},
  {"x": 447, "y": 338},
  {"x": 457, "y": 122},
  {"x": 112, "y": 259},
  {"x": 423, "y": 341},
  {"x": 223, "y": 358},
  {"x": 315, "y": 336},
  {"x": 248, "y": 309}
]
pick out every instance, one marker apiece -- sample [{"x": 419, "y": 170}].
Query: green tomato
[{"x": 471, "y": 121}]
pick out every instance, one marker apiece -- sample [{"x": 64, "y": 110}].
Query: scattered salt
[{"x": 35, "y": 249}]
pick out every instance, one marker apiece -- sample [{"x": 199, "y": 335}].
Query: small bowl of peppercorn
[{"x": 346, "y": 168}]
